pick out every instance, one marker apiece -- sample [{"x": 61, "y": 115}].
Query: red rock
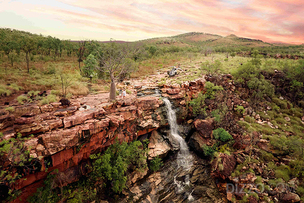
[
  {"x": 223, "y": 165},
  {"x": 148, "y": 103},
  {"x": 56, "y": 141},
  {"x": 6, "y": 121},
  {"x": 173, "y": 91},
  {"x": 115, "y": 120},
  {"x": 290, "y": 197},
  {"x": 54, "y": 124},
  {"x": 30, "y": 110},
  {"x": 80, "y": 117},
  {"x": 204, "y": 127},
  {"x": 66, "y": 111},
  {"x": 24, "y": 120},
  {"x": 46, "y": 108}
]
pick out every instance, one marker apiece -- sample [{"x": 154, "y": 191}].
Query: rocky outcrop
[
  {"x": 223, "y": 165},
  {"x": 204, "y": 127},
  {"x": 158, "y": 147},
  {"x": 163, "y": 186}
]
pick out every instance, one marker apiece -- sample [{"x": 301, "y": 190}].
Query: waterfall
[{"x": 184, "y": 158}]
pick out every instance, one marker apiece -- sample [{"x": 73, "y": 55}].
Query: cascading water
[{"x": 184, "y": 158}]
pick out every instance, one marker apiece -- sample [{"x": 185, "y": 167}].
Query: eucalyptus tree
[{"x": 27, "y": 44}]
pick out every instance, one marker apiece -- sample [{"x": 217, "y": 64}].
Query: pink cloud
[{"x": 280, "y": 20}]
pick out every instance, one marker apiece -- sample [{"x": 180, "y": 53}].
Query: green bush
[
  {"x": 155, "y": 164},
  {"x": 284, "y": 174},
  {"x": 49, "y": 99},
  {"x": 244, "y": 124},
  {"x": 198, "y": 104},
  {"x": 281, "y": 103},
  {"x": 114, "y": 163},
  {"x": 21, "y": 99},
  {"x": 222, "y": 134},
  {"x": 212, "y": 89},
  {"x": 17, "y": 156},
  {"x": 240, "y": 109},
  {"x": 249, "y": 119},
  {"x": 208, "y": 150},
  {"x": 4, "y": 91},
  {"x": 216, "y": 115}
]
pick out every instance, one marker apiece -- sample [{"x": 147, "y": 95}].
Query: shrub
[
  {"x": 113, "y": 164},
  {"x": 216, "y": 115},
  {"x": 4, "y": 91},
  {"x": 244, "y": 124},
  {"x": 281, "y": 103},
  {"x": 90, "y": 64},
  {"x": 155, "y": 164},
  {"x": 249, "y": 119},
  {"x": 15, "y": 87},
  {"x": 240, "y": 109},
  {"x": 21, "y": 99},
  {"x": 212, "y": 89},
  {"x": 222, "y": 134},
  {"x": 284, "y": 174},
  {"x": 208, "y": 150},
  {"x": 17, "y": 156},
  {"x": 10, "y": 109},
  {"x": 49, "y": 99},
  {"x": 197, "y": 105},
  {"x": 50, "y": 70}
]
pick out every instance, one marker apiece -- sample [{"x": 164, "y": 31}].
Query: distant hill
[{"x": 206, "y": 39}]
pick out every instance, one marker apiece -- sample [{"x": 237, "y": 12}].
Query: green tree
[
  {"x": 90, "y": 64},
  {"x": 114, "y": 61},
  {"x": 13, "y": 155},
  {"x": 214, "y": 68},
  {"x": 114, "y": 163},
  {"x": 27, "y": 44}
]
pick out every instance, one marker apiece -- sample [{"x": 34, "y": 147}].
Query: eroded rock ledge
[{"x": 64, "y": 137}]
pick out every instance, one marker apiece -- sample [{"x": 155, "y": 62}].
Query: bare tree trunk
[
  {"x": 27, "y": 61},
  {"x": 113, "y": 88}
]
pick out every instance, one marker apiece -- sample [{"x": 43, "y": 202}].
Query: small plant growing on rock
[
  {"x": 22, "y": 99},
  {"x": 155, "y": 164},
  {"x": 222, "y": 134}
]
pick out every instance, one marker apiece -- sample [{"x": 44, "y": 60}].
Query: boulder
[
  {"x": 204, "y": 127},
  {"x": 223, "y": 165},
  {"x": 173, "y": 72},
  {"x": 157, "y": 146},
  {"x": 196, "y": 142},
  {"x": 290, "y": 197}
]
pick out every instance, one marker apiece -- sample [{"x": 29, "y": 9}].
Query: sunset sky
[{"x": 268, "y": 20}]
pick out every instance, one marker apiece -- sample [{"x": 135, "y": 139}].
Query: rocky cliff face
[{"x": 64, "y": 137}]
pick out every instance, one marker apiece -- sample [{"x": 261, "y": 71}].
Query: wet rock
[{"x": 148, "y": 103}]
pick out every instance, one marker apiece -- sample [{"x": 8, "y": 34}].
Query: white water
[{"x": 184, "y": 158}]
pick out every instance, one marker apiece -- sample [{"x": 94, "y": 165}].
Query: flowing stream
[{"x": 184, "y": 158}]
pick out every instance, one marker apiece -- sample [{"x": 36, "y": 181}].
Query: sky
[{"x": 132, "y": 20}]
